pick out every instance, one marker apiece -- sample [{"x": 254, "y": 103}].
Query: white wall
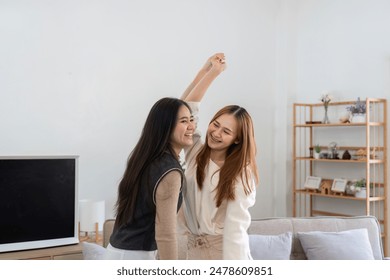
[
  {"x": 79, "y": 77},
  {"x": 340, "y": 46},
  {"x": 343, "y": 46}
]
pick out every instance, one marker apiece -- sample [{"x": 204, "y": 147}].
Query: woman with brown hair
[{"x": 221, "y": 176}]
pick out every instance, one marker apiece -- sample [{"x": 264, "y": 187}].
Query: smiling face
[
  {"x": 222, "y": 132},
  {"x": 182, "y": 134}
]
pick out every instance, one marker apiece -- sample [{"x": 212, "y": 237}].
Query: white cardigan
[{"x": 231, "y": 219}]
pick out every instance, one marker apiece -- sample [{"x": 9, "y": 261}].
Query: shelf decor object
[
  {"x": 346, "y": 155},
  {"x": 339, "y": 185},
  {"x": 358, "y": 118},
  {"x": 317, "y": 151},
  {"x": 358, "y": 111},
  {"x": 326, "y": 98},
  {"x": 313, "y": 183},
  {"x": 361, "y": 152}
]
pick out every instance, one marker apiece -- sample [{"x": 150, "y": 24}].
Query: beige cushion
[
  {"x": 270, "y": 247},
  {"x": 344, "y": 245}
]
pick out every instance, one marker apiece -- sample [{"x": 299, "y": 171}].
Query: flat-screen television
[{"x": 38, "y": 202}]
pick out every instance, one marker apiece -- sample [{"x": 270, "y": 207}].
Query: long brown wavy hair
[{"x": 240, "y": 161}]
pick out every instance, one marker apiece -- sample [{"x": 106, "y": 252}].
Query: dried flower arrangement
[{"x": 358, "y": 108}]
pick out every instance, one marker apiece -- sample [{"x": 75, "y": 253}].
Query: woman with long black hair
[{"x": 149, "y": 194}]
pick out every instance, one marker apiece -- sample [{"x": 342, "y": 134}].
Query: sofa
[
  {"x": 324, "y": 231},
  {"x": 305, "y": 238}
]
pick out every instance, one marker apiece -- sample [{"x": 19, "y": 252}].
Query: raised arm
[{"x": 206, "y": 75}]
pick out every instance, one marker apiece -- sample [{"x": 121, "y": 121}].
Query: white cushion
[
  {"x": 92, "y": 251},
  {"x": 344, "y": 245},
  {"x": 270, "y": 247}
]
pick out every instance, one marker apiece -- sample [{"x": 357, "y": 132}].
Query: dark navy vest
[{"x": 140, "y": 233}]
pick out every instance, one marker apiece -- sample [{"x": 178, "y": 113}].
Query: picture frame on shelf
[
  {"x": 339, "y": 185},
  {"x": 313, "y": 183}
]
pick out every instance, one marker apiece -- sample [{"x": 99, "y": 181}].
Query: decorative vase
[
  {"x": 316, "y": 155},
  {"x": 326, "y": 119},
  {"x": 358, "y": 118},
  {"x": 362, "y": 193},
  {"x": 346, "y": 155}
]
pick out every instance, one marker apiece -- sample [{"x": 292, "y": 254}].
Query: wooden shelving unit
[{"x": 369, "y": 136}]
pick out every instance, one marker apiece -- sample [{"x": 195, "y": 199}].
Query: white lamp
[{"x": 91, "y": 216}]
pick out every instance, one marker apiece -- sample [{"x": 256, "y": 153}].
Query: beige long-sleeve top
[{"x": 167, "y": 195}]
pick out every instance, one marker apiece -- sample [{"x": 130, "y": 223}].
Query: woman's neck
[
  {"x": 176, "y": 152},
  {"x": 218, "y": 157}
]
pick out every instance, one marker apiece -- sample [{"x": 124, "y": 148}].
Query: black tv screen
[{"x": 38, "y": 202}]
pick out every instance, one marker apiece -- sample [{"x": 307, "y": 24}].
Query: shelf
[
  {"x": 371, "y": 161},
  {"x": 338, "y": 103},
  {"x": 341, "y": 196},
  {"x": 340, "y": 124},
  {"x": 368, "y": 150}
]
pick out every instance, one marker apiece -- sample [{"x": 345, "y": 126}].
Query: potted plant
[
  {"x": 358, "y": 188},
  {"x": 317, "y": 150},
  {"x": 357, "y": 111}
]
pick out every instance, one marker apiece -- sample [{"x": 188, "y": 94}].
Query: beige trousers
[{"x": 204, "y": 247}]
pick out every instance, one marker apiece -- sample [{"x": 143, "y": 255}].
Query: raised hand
[
  {"x": 214, "y": 66},
  {"x": 214, "y": 60},
  {"x": 218, "y": 63}
]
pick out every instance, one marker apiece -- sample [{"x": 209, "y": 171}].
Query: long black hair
[{"x": 153, "y": 143}]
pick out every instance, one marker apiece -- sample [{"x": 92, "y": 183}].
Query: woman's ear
[{"x": 236, "y": 142}]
